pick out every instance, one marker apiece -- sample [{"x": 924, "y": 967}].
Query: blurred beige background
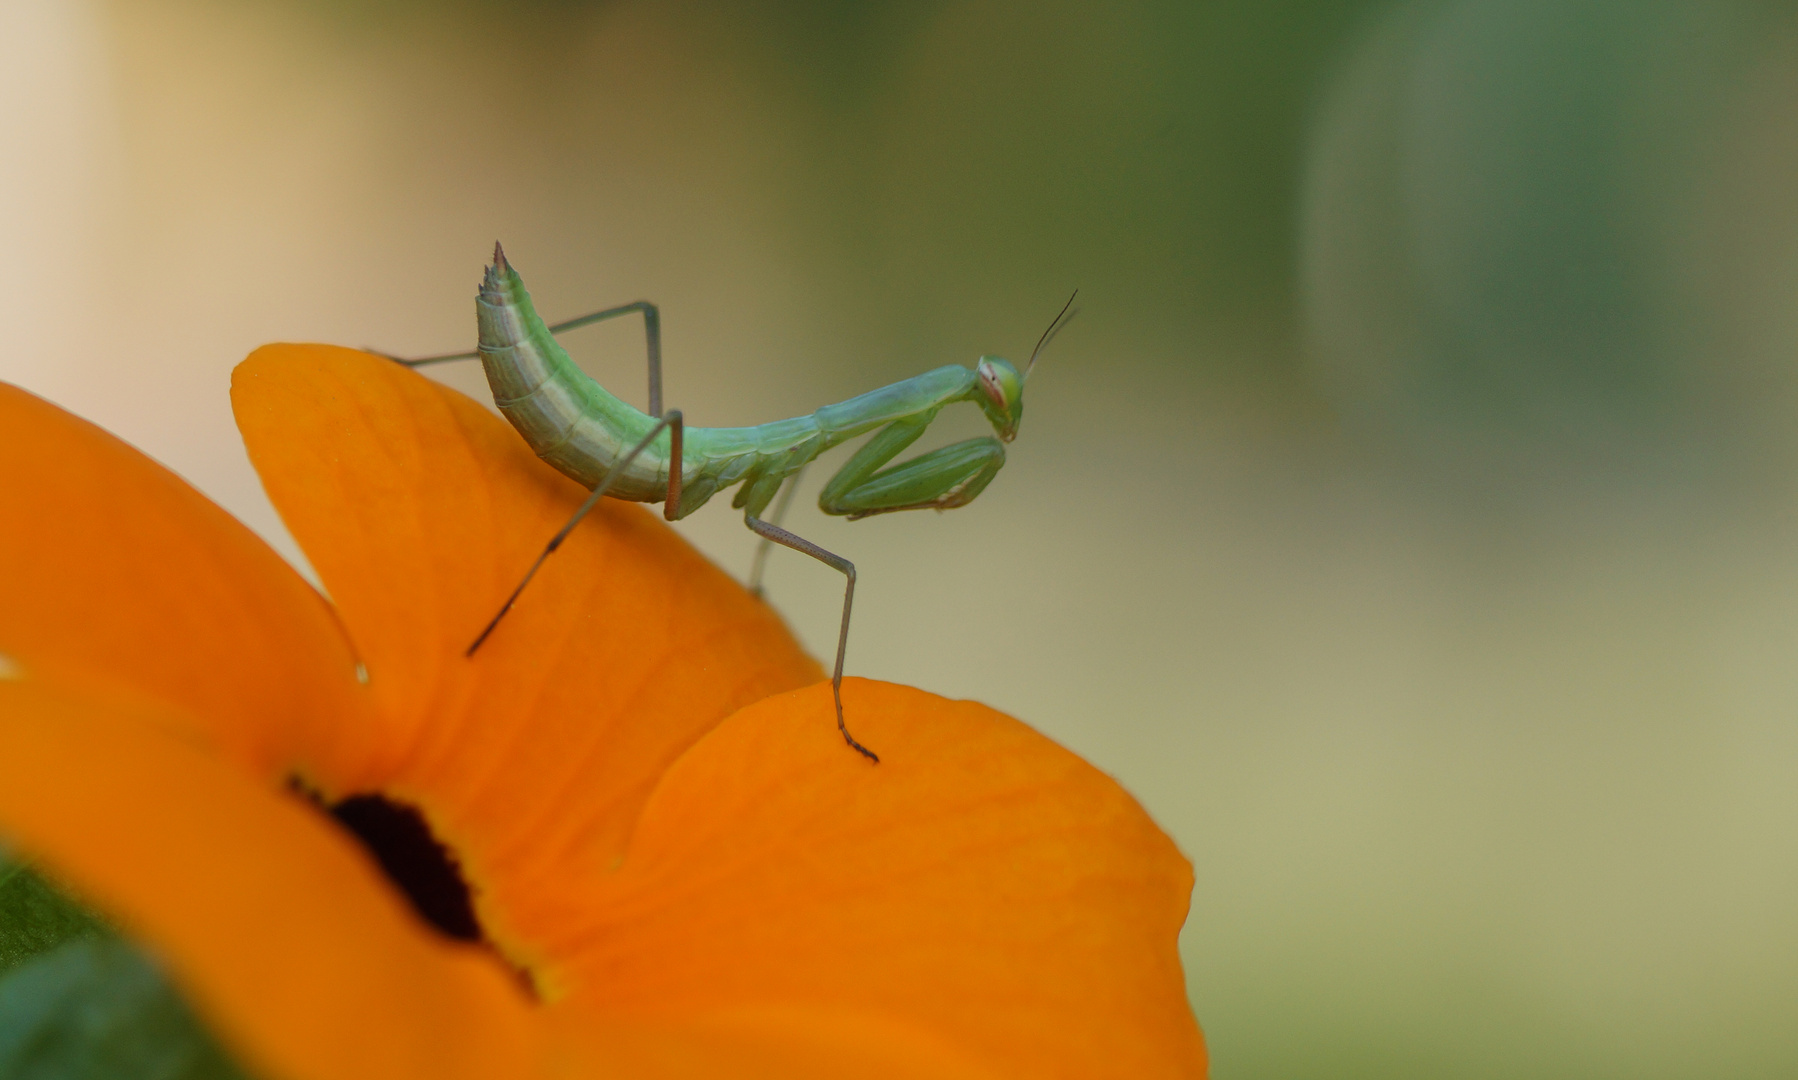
[{"x": 1407, "y": 519}]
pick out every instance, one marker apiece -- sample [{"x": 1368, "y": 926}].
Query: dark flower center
[{"x": 413, "y": 859}]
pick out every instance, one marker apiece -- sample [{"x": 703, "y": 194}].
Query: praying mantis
[{"x": 605, "y": 445}]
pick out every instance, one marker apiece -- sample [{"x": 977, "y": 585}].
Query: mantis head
[
  {"x": 1002, "y": 395},
  {"x": 1002, "y": 388}
]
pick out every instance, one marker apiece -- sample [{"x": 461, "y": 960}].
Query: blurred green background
[{"x": 1407, "y": 519}]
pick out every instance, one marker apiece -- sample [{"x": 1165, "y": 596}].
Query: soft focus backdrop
[{"x": 1407, "y": 519}]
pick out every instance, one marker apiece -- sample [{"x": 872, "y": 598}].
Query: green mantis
[{"x": 575, "y": 425}]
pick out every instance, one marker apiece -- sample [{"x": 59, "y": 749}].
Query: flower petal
[
  {"x": 818, "y": 1042},
  {"x": 421, "y": 510},
  {"x": 292, "y": 947},
  {"x": 116, "y": 573},
  {"x": 279, "y": 929},
  {"x": 980, "y": 883}
]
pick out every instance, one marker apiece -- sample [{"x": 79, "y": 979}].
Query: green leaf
[
  {"x": 98, "y": 1009},
  {"x": 78, "y": 1002},
  {"x": 36, "y": 918}
]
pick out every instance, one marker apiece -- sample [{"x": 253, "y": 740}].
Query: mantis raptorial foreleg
[{"x": 946, "y": 477}]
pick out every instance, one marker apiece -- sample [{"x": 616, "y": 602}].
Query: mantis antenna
[{"x": 1055, "y": 326}]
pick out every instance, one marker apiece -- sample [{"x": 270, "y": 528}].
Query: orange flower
[{"x": 675, "y": 866}]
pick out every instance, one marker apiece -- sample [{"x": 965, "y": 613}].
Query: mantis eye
[
  {"x": 999, "y": 382},
  {"x": 989, "y": 382}
]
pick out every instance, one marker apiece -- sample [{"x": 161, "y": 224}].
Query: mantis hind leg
[
  {"x": 652, "y": 334},
  {"x": 676, "y": 426},
  {"x": 778, "y": 535}
]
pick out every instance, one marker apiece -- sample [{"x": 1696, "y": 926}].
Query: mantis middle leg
[
  {"x": 760, "y": 562},
  {"x": 950, "y": 476},
  {"x": 784, "y": 538}
]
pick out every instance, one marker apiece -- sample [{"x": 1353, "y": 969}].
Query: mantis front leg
[{"x": 947, "y": 477}]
